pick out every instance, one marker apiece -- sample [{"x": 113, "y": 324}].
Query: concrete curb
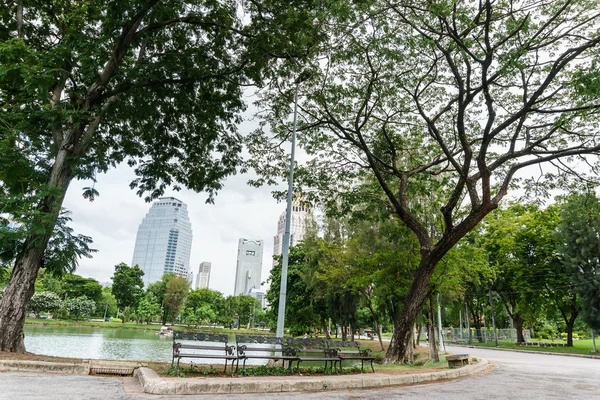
[
  {"x": 82, "y": 368},
  {"x": 549, "y": 353},
  {"x": 153, "y": 384}
]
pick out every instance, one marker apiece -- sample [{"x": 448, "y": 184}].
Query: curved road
[{"x": 515, "y": 375}]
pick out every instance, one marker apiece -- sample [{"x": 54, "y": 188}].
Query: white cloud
[{"x": 112, "y": 221}]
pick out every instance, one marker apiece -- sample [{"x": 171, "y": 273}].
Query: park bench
[
  {"x": 457, "y": 360},
  {"x": 264, "y": 347},
  {"x": 313, "y": 350},
  {"x": 349, "y": 350},
  {"x": 214, "y": 346}
]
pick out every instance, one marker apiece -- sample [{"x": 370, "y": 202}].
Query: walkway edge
[
  {"x": 82, "y": 368},
  {"x": 549, "y": 353},
  {"x": 151, "y": 383}
]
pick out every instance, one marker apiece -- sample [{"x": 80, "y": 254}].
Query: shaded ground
[{"x": 36, "y": 357}]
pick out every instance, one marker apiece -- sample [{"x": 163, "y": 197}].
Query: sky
[{"x": 112, "y": 220}]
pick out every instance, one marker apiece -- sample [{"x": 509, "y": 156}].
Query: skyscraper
[
  {"x": 203, "y": 277},
  {"x": 300, "y": 213},
  {"x": 249, "y": 266},
  {"x": 164, "y": 241}
]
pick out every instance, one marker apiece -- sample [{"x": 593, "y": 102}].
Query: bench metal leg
[
  {"x": 244, "y": 367},
  {"x": 372, "y": 368}
]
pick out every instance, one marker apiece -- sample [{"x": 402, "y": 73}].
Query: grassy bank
[
  {"x": 579, "y": 347},
  {"x": 129, "y": 325}
]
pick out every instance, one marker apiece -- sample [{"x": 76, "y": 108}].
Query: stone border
[
  {"x": 548, "y": 353},
  {"x": 153, "y": 384},
  {"x": 82, "y": 368}
]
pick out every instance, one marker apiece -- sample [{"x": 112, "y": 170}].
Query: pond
[{"x": 105, "y": 344}]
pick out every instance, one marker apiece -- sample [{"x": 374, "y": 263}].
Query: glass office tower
[{"x": 164, "y": 241}]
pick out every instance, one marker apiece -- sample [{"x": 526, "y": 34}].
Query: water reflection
[{"x": 107, "y": 344}]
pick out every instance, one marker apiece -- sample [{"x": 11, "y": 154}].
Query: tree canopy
[
  {"x": 127, "y": 286},
  {"x": 444, "y": 105},
  {"x": 85, "y": 86}
]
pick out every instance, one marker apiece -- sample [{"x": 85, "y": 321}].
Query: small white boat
[{"x": 165, "y": 331}]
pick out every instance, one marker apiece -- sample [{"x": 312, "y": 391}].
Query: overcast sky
[{"x": 112, "y": 220}]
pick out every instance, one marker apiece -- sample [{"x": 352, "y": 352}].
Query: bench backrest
[
  {"x": 200, "y": 336},
  {"x": 258, "y": 339},
  {"x": 343, "y": 344},
  {"x": 306, "y": 343}
]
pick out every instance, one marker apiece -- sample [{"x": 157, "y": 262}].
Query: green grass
[
  {"x": 579, "y": 347},
  {"x": 129, "y": 325}
]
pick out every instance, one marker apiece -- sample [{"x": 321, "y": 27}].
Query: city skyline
[
  {"x": 164, "y": 241},
  {"x": 203, "y": 277},
  {"x": 248, "y": 269},
  {"x": 113, "y": 218},
  {"x": 299, "y": 214}
]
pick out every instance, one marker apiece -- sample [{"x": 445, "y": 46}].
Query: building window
[{"x": 250, "y": 253}]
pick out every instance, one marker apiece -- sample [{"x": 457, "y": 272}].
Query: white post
[
  {"x": 440, "y": 329},
  {"x": 288, "y": 215}
]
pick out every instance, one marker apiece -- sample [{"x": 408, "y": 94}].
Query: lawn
[
  {"x": 130, "y": 325},
  {"x": 579, "y": 347}
]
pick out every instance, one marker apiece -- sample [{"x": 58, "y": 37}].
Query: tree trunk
[
  {"x": 418, "y": 338},
  {"x": 519, "y": 327},
  {"x": 433, "y": 350},
  {"x": 410, "y": 354},
  {"x": 375, "y": 320},
  {"x": 570, "y": 323},
  {"x": 20, "y": 289},
  {"x": 324, "y": 328},
  {"x": 411, "y": 310},
  {"x": 20, "y": 18}
]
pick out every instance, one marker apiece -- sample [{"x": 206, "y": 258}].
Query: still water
[{"x": 106, "y": 344}]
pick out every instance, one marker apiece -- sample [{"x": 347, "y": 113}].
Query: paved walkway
[
  {"x": 515, "y": 376},
  {"x": 151, "y": 383}
]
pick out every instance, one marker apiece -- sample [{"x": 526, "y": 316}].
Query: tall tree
[
  {"x": 176, "y": 291},
  {"x": 87, "y": 85},
  {"x": 127, "y": 285},
  {"x": 451, "y": 98},
  {"x": 578, "y": 239},
  {"x": 44, "y": 301},
  {"x": 77, "y": 286}
]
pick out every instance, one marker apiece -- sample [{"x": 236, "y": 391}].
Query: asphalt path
[{"x": 513, "y": 376}]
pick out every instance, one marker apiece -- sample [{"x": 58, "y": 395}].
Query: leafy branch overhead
[
  {"x": 438, "y": 110},
  {"x": 85, "y": 86}
]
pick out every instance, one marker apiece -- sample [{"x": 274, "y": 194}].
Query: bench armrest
[
  {"x": 364, "y": 352},
  {"x": 229, "y": 350},
  {"x": 289, "y": 352}
]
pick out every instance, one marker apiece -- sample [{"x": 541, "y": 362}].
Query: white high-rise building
[
  {"x": 164, "y": 241},
  {"x": 300, "y": 214},
  {"x": 203, "y": 277},
  {"x": 249, "y": 266}
]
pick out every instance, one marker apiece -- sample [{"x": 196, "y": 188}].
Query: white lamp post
[{"x": 288, "y": 215}]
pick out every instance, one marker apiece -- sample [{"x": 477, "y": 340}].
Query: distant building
[
  {"x": 300, "y": 215},
  {"x": 203, "y": 277},
  {"x": 249, "y": 266},
  {"x": 260, "y": 295},
  {"x": 164, "y": 241}
]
